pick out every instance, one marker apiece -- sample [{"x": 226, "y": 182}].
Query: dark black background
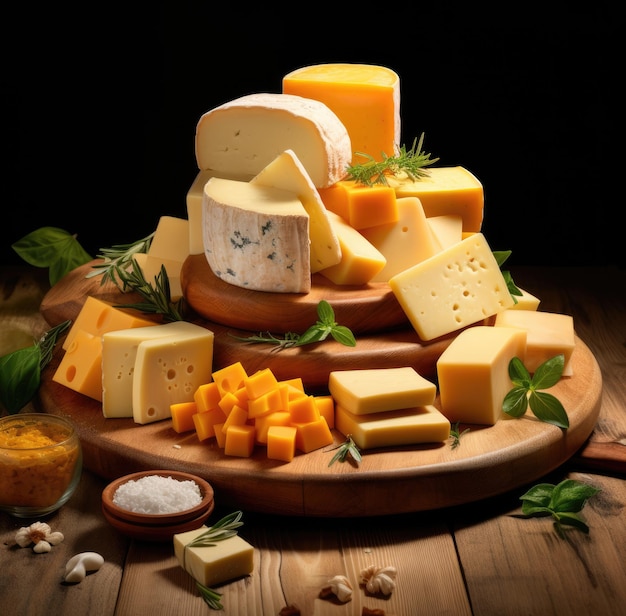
[{"x": 104, "y": 103}]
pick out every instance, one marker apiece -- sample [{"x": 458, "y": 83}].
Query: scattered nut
[
  {"x": 340, "y": 587},
  {"x": 78, "y": 566},
  {"x": 40, "y": 534},
  {"x": 379, "y": 579},
  {"x": 289, "y": 610}
]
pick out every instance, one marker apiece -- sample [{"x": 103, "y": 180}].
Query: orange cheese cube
[
  {"x": 303, "y": 410},
  {"x": 230, "y": 378},
  {"x": 236, "y": 417},
  {"x": 182, "y": 416},
  {"x": 281, "y": 443},
  {"x": 263, "y": 423},
  {"x": 366, "y": 98},
  {"x": 207, "y": 397},
  {"x": 220, "y": 436},
  {"x": 313, "y": 435},
  {"x": 205, "y": 423},
  {"x": 97, "y": 317},
  {"x": 326, "y": 407},
  {"x": 260, "y": 383},
  {"x": 239, "y": 441},
  {"x": 227, "y": 402},
  {"x": 269, "y": 402},
  {"x": 80, "y": 368}
]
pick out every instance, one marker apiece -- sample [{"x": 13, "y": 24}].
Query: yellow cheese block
[
  {"x": 360, "y": 260},
  {"x": 527, "y": 301},
  {"x": 547, "y": 334},
  {"x": 365, "y": 97},
  {"x": 393, "y": 428},
  {"x": 256, "y": 237},
  {"x": 457, "y": 287},
  {"x": 360, "y": 205},
  {"x": 170, "y": 369},
  {"x": 367, "y": 391},
  {"x": 287, "y": 173},
  {"x": 446, "y": 190},
  {"x": 151, "y": 268},
  {"x": 473, "y": 373},
  {"x": 244, "y": 135},
  {"x": 171, "y": 239},
  {"x": 194, "y": 198},
  {"x": 221, "y": 562},
  {"x": 448, "y": 229},
  {"x": 98, "y": 316},
  {"x": 404, "y": 243},
  {"x": 80, "y": 367}
]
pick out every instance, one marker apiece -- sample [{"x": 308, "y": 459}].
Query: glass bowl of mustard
[{"x": 41, "y": 463}]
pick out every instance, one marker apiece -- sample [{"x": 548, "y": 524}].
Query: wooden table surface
[{"x": 483, "y": 558}]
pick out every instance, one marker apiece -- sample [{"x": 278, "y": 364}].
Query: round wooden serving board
[{"x": 490, "y": 460}]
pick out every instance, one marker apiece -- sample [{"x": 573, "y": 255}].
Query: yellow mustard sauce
[{"x": 36, "y": 464}]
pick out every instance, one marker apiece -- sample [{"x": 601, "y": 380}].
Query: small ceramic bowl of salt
[{"x": 156, "y": 505}]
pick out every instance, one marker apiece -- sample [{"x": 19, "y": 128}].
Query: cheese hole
[
  {"x": 405, "y": 229},
  {"x": 151, "y": 412},
  {"x": 70, "y": 373},
  {"x": 190, "y": 369},
  {"x": 102, "y": 317}
]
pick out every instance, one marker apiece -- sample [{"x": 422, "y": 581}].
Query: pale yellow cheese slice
[
  {"x": 256, "y": 237},
  {"x": 365, "y": 391},
  {"x": 456, "y": 287},
  {"x": 413, "y": 426},
  {"x": 171, "y": 239},
  {"x": 220, "y": 562},
  {"x": 473, "y": 373},
  {"x": 526, "y": 301},
  {"x": 447, "y": 228},
  {"x": 287, "y": 173},
  {"x": 244, "y": 135},
  {"x": 405, "y": 242}
]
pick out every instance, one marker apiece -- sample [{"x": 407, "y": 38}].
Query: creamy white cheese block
[
  {"x": 256, "y": 237},
  {"x": 457, "y": 287},
  {"x": 244, "y": 135},
  {"x": 287, "y": 173}
]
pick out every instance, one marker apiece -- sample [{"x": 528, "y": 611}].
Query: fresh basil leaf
[
  {"x": 343, "y": 335},
  {"x": 325, "y": 312},
  {"x": 571, "y": 495},
  {"x": 549, "y": 373},
  {"x": 501, "y": 256},
  {"x": 314, "y": 334},
  {"x": 518, "y": 373},
  {"x": 516, "y": 402},
  {"x": 20, "y": 376},
  {"x": 539, "y": 495},
  {"x": 571, "y": 519},
  {"x": 548, "y": 408}
]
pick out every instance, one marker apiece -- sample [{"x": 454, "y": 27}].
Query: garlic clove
[{"x": 77, "y": 567}]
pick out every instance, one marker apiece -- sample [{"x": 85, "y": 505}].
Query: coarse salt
[{"x": 155, "y": 494}]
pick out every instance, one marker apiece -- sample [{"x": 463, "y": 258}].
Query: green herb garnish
[
  {"x": 455, "y": 435},
  {"x": 325, "y": 326},
  {"x": 501, "y": 256},
  {"x": 53, "y": 248},
  {"x": 410, "y": 162},
  {"x": 158, "y": 298},
  {"x": 545, "y": 406},
  {"x": 223, "y": 529},
  {"x": 20, "y": 371},
  {"x": 118, "y": 258},
  {"x": 345, "y": 449},
  {"x": 562, "y": 501}
]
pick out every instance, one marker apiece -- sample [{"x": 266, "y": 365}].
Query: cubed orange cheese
[
  {"x": 547, "y": 334},
  {"x": 206, "y": 422},
  {"x": 182, "y": 416},
  {"x": 473, "y": 373},
  {"x": 326, "y": 408},
  {"x": 392, "y": 428},
  {"x": 80, "y": 368},
  {"x": 303, "y": 410},
  {"x": 405, "y": 242},
  {"x": 220, "y": 436},
  {"x": 239, "y": 440},
  {"x": 281, "y": 443},
  {"x": 220, "y": 562},
  {"x": 269, "y": 402},
  {"x": 207, "y": 396},
  {"x": 365, "y": 391},
  {"x": 446, "y": 190},
  {"x": 260, "y": 383},
  {"x": 236, "y": 417},
  {"x": 313, "y": 435},
  {"x": 230, "y": 378},
  {"x": 360, "y": 261},
  {"x": 366, "y": 98},
  {"x": 263, "y": 423}
]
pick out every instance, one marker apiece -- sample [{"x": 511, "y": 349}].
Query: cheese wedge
[
  {"x": 256, "y": 237},
  {"x": 367, "y": 391},
  {"x": 244, "y": 135},
  {"x": 404, "y": 243},
  {"x": 446, "y": 190},
  {"x": 413, "y": 426},
  {"x": 171, "y": 239},
  {"x": 360, "y": 260},
  {"x": 526, "y": 301},
  {"x": 459, "y": 286},
  {"x": 448, "y": 229},
  {"x": 473, "y": 373},
  {"x": 287, "y": 173},
  {"x": 365, "y": 97}
]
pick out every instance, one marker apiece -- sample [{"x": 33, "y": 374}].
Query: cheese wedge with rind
[
  {"x": 457, "y": 287},
  {"x": 244, "y": 135},
  {"x": 256, "y": 237},
  {"x": 287, "y": 173}
]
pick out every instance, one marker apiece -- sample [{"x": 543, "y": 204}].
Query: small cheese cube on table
[
  {"x": 221, "y": 562},
  {"x": 384, "y": 389},
  {"x": 281, "y": 443},
  {"x": 473, "y": 373},
  {"x": 525, "y": 301}
]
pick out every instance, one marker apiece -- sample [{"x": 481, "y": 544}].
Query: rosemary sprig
[
  {"x": 345, "y": 449},
  {"x": 455, "y": 435},
  {"x": 324, "y": 327},
  {"x": 211, "y": 597},
  {"x": 118, "y": 258},
  {"x": 158, "y": 298},
  {"x": 411, "y": 162}
]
